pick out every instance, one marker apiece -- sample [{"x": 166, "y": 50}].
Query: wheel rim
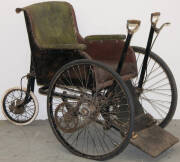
[
  {"x": 156, "y": 94},
  {"x": 24, "y": 114},
  {"x": 97, "y": 137}
]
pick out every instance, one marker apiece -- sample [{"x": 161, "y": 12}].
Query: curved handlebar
[
  {"x": 154, "y": 19},
  {"x": 157, "y": 30},
  {"x": 133, "y": 26}
]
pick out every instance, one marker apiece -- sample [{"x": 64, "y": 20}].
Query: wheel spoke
[
  {"x": 96, "y": 113},
  {"x": 158, "y": 95},
  {"x": 18, "y": 115}
]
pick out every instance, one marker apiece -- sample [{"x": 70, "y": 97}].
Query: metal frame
[
  {"x": 132, "y": 27},
  {"x": 141, "y": 120},
  {"x": 148, "y": 51}
]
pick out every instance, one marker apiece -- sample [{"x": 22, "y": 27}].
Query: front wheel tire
[{"x": 19, "y": 115}]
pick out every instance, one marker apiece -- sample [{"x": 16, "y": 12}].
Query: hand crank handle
[
  {"x": 133, "y": 26},
  {"x": 155, "y": 18}
]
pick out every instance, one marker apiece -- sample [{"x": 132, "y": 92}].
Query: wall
[{"x": 94, "y": 17}]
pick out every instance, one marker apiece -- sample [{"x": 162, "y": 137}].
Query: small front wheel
[
  {"x": 19, "y": 115},
  {"x": 89, "y": 116}
]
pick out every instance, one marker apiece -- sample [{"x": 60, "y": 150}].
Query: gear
[{"x": 66, "y": 119}]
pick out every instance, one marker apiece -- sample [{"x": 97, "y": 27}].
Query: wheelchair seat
[{"x": 53, "y": 26}]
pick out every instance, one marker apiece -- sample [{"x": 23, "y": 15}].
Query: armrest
[
  {"x": 64, "y": 47},
  {"x": 105, "y": 37}
]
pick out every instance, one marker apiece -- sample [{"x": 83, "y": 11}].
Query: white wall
[{"x": 93, "y": 17}]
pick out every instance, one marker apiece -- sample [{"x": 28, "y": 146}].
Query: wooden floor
[{"x": 37, "y": 143}]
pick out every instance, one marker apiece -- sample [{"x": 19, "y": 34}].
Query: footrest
[
  {"x": 154, "y": 140},
  {"x": 143, "y": 121}
]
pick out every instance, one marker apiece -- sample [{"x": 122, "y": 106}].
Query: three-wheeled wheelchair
[{"x": 101, "y": 92}]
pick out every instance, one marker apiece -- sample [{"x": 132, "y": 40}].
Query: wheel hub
[
  {"x": 87, "y": 109},
  {"x": 16, "y": 108}
]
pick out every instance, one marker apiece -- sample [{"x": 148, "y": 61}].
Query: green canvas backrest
[{"x": 52, "y": 24}]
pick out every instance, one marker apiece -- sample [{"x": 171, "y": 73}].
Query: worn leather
[
  {"x": 109, "y": 52},
  {"x": 53, "y": 27},
  {"x": 48, "y": 63}
]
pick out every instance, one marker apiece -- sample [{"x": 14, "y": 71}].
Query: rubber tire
[
  {"x": 35, "y": 101},
  {"x": 58, "y": 135},
  {"x": 172, "y": 82}
]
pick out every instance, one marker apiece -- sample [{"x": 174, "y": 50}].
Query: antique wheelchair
[{"x": 101, "y": 93}]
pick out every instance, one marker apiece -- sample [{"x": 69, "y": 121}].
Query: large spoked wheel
[
  {"x": 159, "y": 93},
  {"x": 19, "y": 115},
  {"x": 89, "y": 117}
]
